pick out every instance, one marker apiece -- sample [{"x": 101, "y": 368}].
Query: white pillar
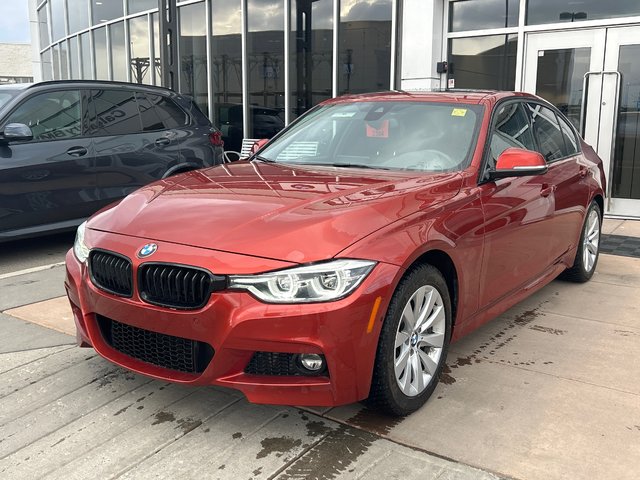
[
  {"x": 423, "y": 34},
  {"x": 35, "y": 41}
]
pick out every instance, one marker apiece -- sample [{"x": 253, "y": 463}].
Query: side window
[
  {"x": 172, "y": 115},
  {"x": 150, "y": 119},
  {"x": 547, "y": 132},
  {"x": 570, "y": 140},
  {"x": 51, "y": 115},
  {"x": 510, "y": 129},
  {"x": 113, "y": 112}
]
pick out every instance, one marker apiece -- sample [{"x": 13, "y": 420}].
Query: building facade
[
  {"x": 15, "y": 63},
  {"x": 255, "y": 65}
]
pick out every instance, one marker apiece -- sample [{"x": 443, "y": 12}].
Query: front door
[{"x": 591, "y": 76}]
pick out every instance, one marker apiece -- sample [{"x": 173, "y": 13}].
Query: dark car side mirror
[
  {"x": 16, "y": 132},
  {"x": 518, "y": 162}
]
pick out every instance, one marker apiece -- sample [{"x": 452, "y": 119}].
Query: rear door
[
  {"x": 565, "y": 181},
  {"x": 50, "y": 179},
  {"x": 132, "y": 145}
]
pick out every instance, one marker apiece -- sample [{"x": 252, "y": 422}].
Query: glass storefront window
[
  {"x": 265, "y": 49},
  {"x": 137, "y": 6},
  {"x": 43, "y": 27},
  {"x": 64, "y": 63},
  {"x": 192, "y": 46},
  {"x": 57, "y": 19},
  {"x": 139, "y": 41},
  {"x": 311, "y": 47},
  {"x": 47, "y": 72},
  {"x": 482, "y": 14},
  {"x": 118, "y": 52},
  {"x": 487, "y": 62},
  {"x": 55, "y": 51},
  {"x": 560, "y": 79},
  {"x": 365, "y": 46},
  {"x": 100, "y": 50},
  {"x": 78, "y": 14},
  {"x": 85, "y": 55},
  {"x": 74, "y": 62},
  {"x": 555, "y": 11},
  {"x": 226, "y": 71},
  {"x": 105, "y": 10}
]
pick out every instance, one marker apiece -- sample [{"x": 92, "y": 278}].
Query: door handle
[
  {"x": 162, "y": 141},
  {"x": 77, "y": 151},
  {"x": 547, "y": 190}
]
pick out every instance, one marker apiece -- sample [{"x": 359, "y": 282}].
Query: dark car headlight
[{"x": 321, "y": 282}]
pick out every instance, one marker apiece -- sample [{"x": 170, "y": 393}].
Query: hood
[{"x": 299, "y": 214}]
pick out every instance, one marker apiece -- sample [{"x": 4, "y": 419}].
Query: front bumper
[{"x": 237, "y": 325}]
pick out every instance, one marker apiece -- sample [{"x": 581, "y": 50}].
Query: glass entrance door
[{"x": 590, "y": 75}]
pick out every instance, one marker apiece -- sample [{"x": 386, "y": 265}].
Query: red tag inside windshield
[{"x": 381, "y": 130}]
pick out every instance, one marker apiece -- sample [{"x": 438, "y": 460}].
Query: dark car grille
[
  {"x": 166, "y": 351},
  {"x": 177, "y": 286},
  {"x": 111, "y": 272},
  {"x": 271, "y": 363}
]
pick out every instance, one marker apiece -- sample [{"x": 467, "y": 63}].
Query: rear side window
[
  {"x": 510, "y": 129},
  {"x": 51, "y": 115},
  {"x": 171, "y": 115},
  {"x": 113, "y": 112},
  {"x": 547, "y": 132},
  {"x": 151, "y": 121}
]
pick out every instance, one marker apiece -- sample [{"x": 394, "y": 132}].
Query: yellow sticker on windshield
[{"x": 459, "y": 112}]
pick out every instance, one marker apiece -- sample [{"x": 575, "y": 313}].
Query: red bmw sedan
[{"x": 339, "y": 262}]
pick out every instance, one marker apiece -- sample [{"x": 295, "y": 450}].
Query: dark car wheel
[
  {"x": 413, "y": 344},
  {"x": 588, "y": 249}
]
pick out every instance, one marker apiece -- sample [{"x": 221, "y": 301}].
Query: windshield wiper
[
  {"x": 262, "y": 159},
  {"x": 355, "y": 165}
]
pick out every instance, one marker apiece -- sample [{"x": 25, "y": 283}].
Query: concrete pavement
[{"x": 551, "y": 389}]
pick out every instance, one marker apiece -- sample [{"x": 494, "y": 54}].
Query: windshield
[
  {"x": 6, "y": 95},
  {"x": 420, "y": 136}
]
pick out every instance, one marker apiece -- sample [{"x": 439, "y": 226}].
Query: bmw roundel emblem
[{"x": 147, "y": 250}]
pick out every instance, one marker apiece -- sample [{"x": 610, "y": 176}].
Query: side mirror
[
  {"x": 258, "y": 144},
  {"x": 16, "y": 132},
  {"x": 517, "y": 162}
]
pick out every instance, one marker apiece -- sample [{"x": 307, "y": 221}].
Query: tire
[
  {"x": 421, "y": 351},
  {"x": 588, "y": 249}
]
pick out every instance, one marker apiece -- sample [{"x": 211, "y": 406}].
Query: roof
[
  {"x": 453, "y": 96},
  {"x": 15, "y": 86},
  {"x": 96, "y": 83}
]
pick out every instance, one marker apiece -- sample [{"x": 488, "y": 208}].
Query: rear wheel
[
  {"x": 588, "y": 249},
  {"x": 413, "y": 344}
]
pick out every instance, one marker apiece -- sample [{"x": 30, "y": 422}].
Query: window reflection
[
  {"x": 365, "y": 46},
  {"x": 105, "y": 10},
  {"x": 483, "y": 62},
  {"x": 55, "y": 51},
  {"x": 139, "y": 41},
  {"x": 311, "y": 44},
  {"x": 481, "y": 14},
  {"x": 118, "y": 53},
  {"x": 265, "y": 50},
  {"x": 57, "y": 19},
  {"x": 193, "y": 53},
  {"x": 226, "y": 71},
  {"x": 78, "y": 15},
  {"x": 100, "y": 47},
  {"x": 64, "y": 64},
  {"x": 555, "y": 11},
  {"x": 155, "y": 23},
  {"x": 47, "y": 72}
]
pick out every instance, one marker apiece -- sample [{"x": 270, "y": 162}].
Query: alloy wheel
[{"x": 591, "y": 240}]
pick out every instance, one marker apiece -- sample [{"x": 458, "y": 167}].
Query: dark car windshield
[
  {"x": 421, "y": 136},
  {"x": 6, "y": 95}
]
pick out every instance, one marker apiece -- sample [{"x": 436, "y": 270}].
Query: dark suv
[{"x": 69, "y": 148}]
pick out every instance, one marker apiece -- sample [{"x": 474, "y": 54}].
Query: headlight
[
  {"x": 79, "y": 248},
  {"x": 322, "y": 282}
]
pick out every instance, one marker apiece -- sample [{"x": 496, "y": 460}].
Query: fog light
[{"x": 312, "y": 361}]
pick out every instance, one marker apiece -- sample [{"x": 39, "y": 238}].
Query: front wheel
[
  {"x": 588, "y": 249},
  {"x": 413, "y": 343}
]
